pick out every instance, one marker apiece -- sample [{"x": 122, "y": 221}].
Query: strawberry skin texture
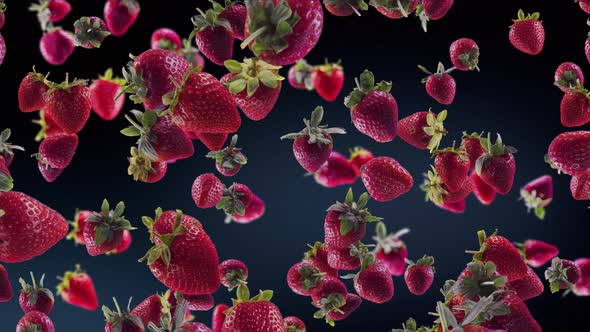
[
  {"x": 353, "y": 302},
  {"x": 295, "y": 282},
  {"x": 294, "y": 323},
  {"x": 213, "y": 142},
  {"x": 232, "y": 266},
  {"x": 120, "y": 15},
  {"x": 506, "y": 257},
  {"x": 331, "y": 285},
  {"x": 262, "y": 316},
  {"x": 150, "y": 309},
  {"x": 374, "y": 284},
  {"x": 419, "y": 278},
  {"x": 216, "y": 43},
  {"x": 102, "y": 99},
  {"x": 570, "y": 152},
  {"x": 20, "y": 227},
  {"x": 161, "y": 168},
  {"x": 236, "y": 14},
  {"x": 125, "y": 243},
  {"x": 328, "y": 84},
  {"x": 459, "y": 195},
  {"x": 528, "y": 287},
  {"x": 436, "y": 9},
  {"x": 168, "y": 36},
  {"x": 338, "y": 171},
  {"x": 459, "y": 47},
  {"x": 580, "y": 186},
  {"x": 58, "y": 150},
  {"x": 582, "y": 287},
  {"x": 207, "y": 190},
  {"x": 6, "y": 291},
  {"x": 259, "y": 105},
  {"x": 319, "y": 259},
  {"x": 453, "y": 169},
  {"x": 527, "y": 36},
  {"x": 574, "y": 109},
  {"x": 395, "y": 261},
  {"x": 410, "y": 130},
  {"x": 519, "y": 319},
  {"x": 35, "y": 318},
  {"x": 473, "y": 149},
  {"x": 81, "y": 292},
  {"x": 56, "y": 46},
  {"x": 376, "y": 116},
  {"x": 561, "y": 73},
  {"x": 69, "y": 109},
  {"x": 442, "y": 88},
  {"x": 200, "y": 302},
  {"x": 218, "y": 317},
  {"x": 484, "y": 192},
  {"x": 30, "y": 93},
  {"x": 587, "y": 48},
  {"x": 538, "y": 253},
  {"x": 499, "y": 173},
  {"x": 359, "y": 158},
  {"x": 171, "y": 143},
  {"x": 49, "y": 173},
  {"x": 311, "y": 156},
  {"x": 336, "y": 241},
  {"x": 342, "y": 260},
  {"x": 385, "y": 179}
]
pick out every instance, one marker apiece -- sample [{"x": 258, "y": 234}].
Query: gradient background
[{"x": 513, "y": 94}]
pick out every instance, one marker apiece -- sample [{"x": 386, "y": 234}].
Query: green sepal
[
  {"x": 162, "y": 250},
  {"x": 33, "y": 291},
  {"x": 316, "y": 133},
  {"x": 108, "y": 222},
  {"x": 230, "y": 157},
  {"x": 522, "y": 17},
  {"x": 6, "y": 148},
  {"x": 6, "y": 182},
  {"x": 353, "y": 214},
  {"x": 364, "y": 85},
  {"x": 435, "y": 128},
  {"x": 250, "y": 74},
  {"x": 209, "y": 19},
  {"x": 142, "y": 126},
  {"x": 140, "y": 166},
  {"x": 90, "y": 31},
  {"x": 493, "y": 150},
  {"x": 556, "y": 274}
]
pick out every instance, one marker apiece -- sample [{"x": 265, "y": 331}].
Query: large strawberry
[
  {"x": 22, "y": 236},
  {"x": 35, "y": 298},
  {"x": 423, "y": 130},
  {"x": 374, "y": 282},
  {"x": 537, "y": 194},
  {"x": 452, "y": 165},
  {"x": 241, "y": 205},
  {"x": 90, "y": 32},
  {"x": 574, "y": 109},
  {"x": 420, "y": 275},
  {"x": 464, "y": 54},
  {"x": 582, "y": 287},
  {"x": 516, "y": 317},
  {"x": 76, "y": 288},
  {"x": 527, "y": 287},
  {"x": 183, "y": 256},
  {"x": 103, "y": 231},
  {"x": 253, "y": 314},
  {"x": 6, "y": 291},
  {"x": 68, "y": 104},
  {"x": 328, "y": 80},
  {"x": 305, "y": 279},
  {"x": 120, "y": 15},
  {"x": 385, "y": 179},
  {"x": 537, "y": 253},
  {"x": 57, "y": 151},
  {"x": 230, "y": 159},
  {"x": 373, "y": 109},
  {"x": 207, "y": 190},
  {"x": 580, "y": 186},
  {"x": 337, "y": 171},
  {"x": 432, "y": 10},
  {"x": 329, "y": 298},
  {"x": 255, "y": 86},
  {"x": 497, "y": 166},
  {"x": 218, "y": 317},
  {"x": 471, "y": 143},
  {"x": 145, "y": 169},
  {"x": 6, "y": 180},
  {"x": 395, "y": 8},
  {"x": 117, "y": 321},
  {"x": 213, "y": 35},
  {"x": 233, "y": 273},
  {"x": 57, "y": 46},
  {"x": 440, "y": 86},
  {"x": 568, "y": 75},
  {"x": 527, "y": 33},
  {"x": 31, "y": 92},
  {"x": 345, "y": 7},
  {"x": 569, "y": 152},
  {"x": 353, "y": 302},
  {"x": 166, "y": 39},
  {"x": 562, "y": 274},
  {"x": 103, "y": 93},
  {"x": 235, "y": 13},
  {"x": 282, "y": 32},
  {"x": 318, "y": 257},
  {"x": 390, "y": 250},
  {"x": 484, "y": 192},
  {"x": 35, "y": 321},
  {"x": 313, "y": 144}
]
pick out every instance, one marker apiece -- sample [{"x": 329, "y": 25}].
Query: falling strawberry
[
  {"x": 120, "y": 15},
  {"x": 166, "y": 39},
  {"x": 56, "y": 46},
  {"x": 420, "y": 275},
  {"x": 145, "y": 169},
  {"x": 103, "y": 231},
  {"x": 253, "y": 314},
  {"x": 213, "y": 142},
  {"x": 35, "y": 298},
  {"x": 452, "y": 165},
  {"x": 233, "y": 273},
  {"x": 385, "y": 179},
  {"x": 305, "y": 279},
  {"x": 423, "y": 130},
  {"x": 337, "y": 171},
  {"x": 218, "y": 317},
  {"x": 568, "y": 76},
  {"x": 329, "y": 298},
  {"x": 6, "y": 291},
  {"x": 124, "y": 245},
  {"x": 359, "y": 156},
  {"x": 516, "y": 318},
  {"x": 238, "y": 197},
  {"x": 353, "y": 302},
  {"x": 373, "y": 109},
  {"x": 294, "y": 324},
  {"x": 57, "y": 151},
  {"x": 48, "y": 127},
  {"x": 31, "y": 92},
  {"x": 569, "y": 152},
  {"x": 527, "y": 287},
  {"x": 347, "y": 258},
  {"x": 235, "y": 13},
  {"x": 395, "y": 9},
  {"x": 432, "y": 10},
  {"x": 582, "y": 287},
  {"x": 207, "y": 190},
  {"x": 562, "y": 274},
  {"x": 345, "y": 7},
  {"x": 199, "y": 302},
  {"x": 580, "y": 186},
  {"x": 390, "y": 250},
  {"x": 35, "y": 321},
  {"x": 192, "y": 55},
  {"x": 537, "y": 194},
  {"x": 485, "y": 193},
  {"x": 68, "y": 104},
  {"x": 537, "y": 253},
  {"x": 471, "y": 143},
  {"x": 497, "y": 166},
  {"x": 90, "y": 32},
  {"x": 103, "y": 93},
  {"x": 373, "y": 282},
  {"x": 317, "y": 256},
  {"x": 455, "y": 207},
  {"x": 230, "y": 159},
  {"x": 300, "y": 75},
  {"x": 584, "y": 5},
  {"x": 313, "y": 144},
  {"x": 213, "y": 36},
  {"x": 440, "y": 86},
  {"x": 154, "y": 307},
  {"x": 2, "y": 49},
  {"x": 121, "y": 321},
  {"x": 50, "y": 174},
  {"x": 500, "y": 251},
  {"x": 527, "y": 33},
  {"x": 464, "y": 54},
  {"x": 50, "y": 11},
  {"x": 575, "y": 107},
  {"x": 328, "y": 80},
  {"x": 76, "y": 288},
  {"x": 6, "y": 181}
]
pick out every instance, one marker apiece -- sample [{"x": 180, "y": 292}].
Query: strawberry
[
  {"x": 183, "y": 256},
  {"x": 230, "y": 159},
  {"x": 527, "y": 33},
  {"x": 390, "y": 250},
  {"x": 527, "y": 287},
  {"x": 305, "y": 279},
  {"x": 353, "y": 302},
  {"x": 253, "y": 314},
  {"x": 455, "y": 207},
  {"x": 471, "y": 143},
  {"x": 329, "y": 298},
  {"x": 580, "y": 186},
  {"x": 516, "y": 317},
  {"x": 5, "y": 285},
  {"x": 317, "y": 256},
  {"x": 199, "y": 302},
  {"x": 195, "y": 327},
  {"x": 562, "y": 274},
  {"x": 103, "y": 231},
  {"x": 452, "y": 165},
  {"x": 345, "y": 259},
  {"x": 48, "y": 127},
  {"x": 233, "y": 273},
  {"x": 294, "y": 324},
  {"x": 584, "y": 5},
  {"x": 582, "y": 287},
  {"x": 218, "y": 317},
  {"x": 537, "y": 253},
  {"x": 68, "y": 104},
  {"x": 20, "y": 217},
  {"x": 213, "y": 36},
  {"x": 464, "y": 54},
  {"x": 385, "y": 179},
  {"x": 192, "y": 54},
  {"x": 484, "y": 193},
  {"x": 359, "y": 156},
  {"x": 420, "y": 275},
  {"x": 76, "y": 288},
  {"x": 166, "y": 39},
  {"x": 282, "y": 32},
  {"x": 50, "y": 174},
  {"x": 395, "y": 9},
  {"x": 438, "y": 193},
  {"x": 497, "y": 166},
  {"x": 90, "y": 32},
  {"x": 153, "y": 74},
  {"x": 373, "y": 282},
  {"x": 31, "y": 92},
  {"x": 207, "y": 190},
  {"x": 2, "y": 15},
  {"x": 423, "y": 130},
  {"x": 575, "y": 107},
  {"x": 254, "y": 211},
  {"x": 159, "y": 138},
  {"x": 255, "y": 86},
  {"x": 336, "y": 172},
  {"x": 587, "y": 45},
  {"x": 50, "y": 11},
  {"x": 35, "y": 321},
  {"x": 236, "y": 14},
  {"x": 568, "y": 75},
  {"x": 328, "y": 80},
  {"x": 145, "y": 169},
  {"x": 213, "y": 142},
  {"x": 120, "y": 15},
  {"x": 345, "y": 223},
  {"x": 313, "y": 144},
  {"x": 154, "y": 307},
  {"x": 57, "y": 151},
  {"x": 56, "y": 46},
  {"x": 240, "y": 204},
  {"x": 569, "y": 152},
  {"x": 125, "y": 243},
  {"x": 6, "y": 181},
  {"x": 373, "y": 109},
  {"x": 537, "y": 194},
  {"x": 440, "y": 86},
  {"x": 33, "y": 298},
  {"x": 300, "y": 75},
  {"x": 103, "y": 93},
  {"x": 121, "y": 321},
  {"x": 411, "y": 326},
  {"x": 432, "y": 10},
  {"x": 345, "y": 7}
]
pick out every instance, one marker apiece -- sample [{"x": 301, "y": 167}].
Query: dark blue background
[{"x": 513, "y": 94}]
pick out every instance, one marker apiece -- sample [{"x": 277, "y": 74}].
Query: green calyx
[
  {"x": 243, "y": 295},
  {"x": 434, "y": 187},
  {"x": 483, "y": 280},
  {"x": 250, "y": 74},
  {"x": 108, "y": 76},
  {"x": 171, "y": 99},
  {"x": 89, "y": 32},
  {"x": 313, "y": 251},
  {"x": 43, "y": 14},
  {"x": 66, "y": 85},
  {"x": 143, "y": 129},
  {"x": 140, "y": 166},
  {"x": 331, "y": 303},
  {"x": 353, "y": 214},
  {"x": 32, "y": 328},
  {"x": 7, "y": 148},
  {"x": 435, "y": 128},
  {"x": 2, "y": 6},
  {"x": 6, "y": 182},
  {"x": 440, "y": 71},
  {"x": 481, "y": 237},
  {"x": 470, "y": 58},
  {"x": 570, "y": 80},
  {"x": 235, "y": 278},
  {"x": 65, "y": 280},
  {"x": 310, "y": 277},
  {"x": 121, "y": 321},
  {"x": 303, "y": 74},
  {"x": 365, "y": 84},
  {"x": 556, "y": 274},
  {"x": 316, "y": 133},
  {"x": 108, "y": 222},
  {"x": 459, "y": 152},
  {"x": 208, "y": 19},
  {"x": 42, "y": 122},
  {"x": 354, "y": 5},
  {"x": 493, "y": 150},
  {"x": 33, "y": 291},
  {"x": 134, "y": 83},
  {"x": 403, "y": 6},
  {"x": 484, "y": 309},
  {"x": 75, "y": 226},
  {"x": 522, "y": 17},
  {"x": 425, "y": 260},
  {"x": 230, "y": 157},
  {"x": 162, "y": 250},
  {"x": 534, "y": 202},
  {"x": 168, "y": 323},
  {"x": 388, "y": 242},
  {"x": 231, "y": 203},
  {"x": 411, "y": 326}
]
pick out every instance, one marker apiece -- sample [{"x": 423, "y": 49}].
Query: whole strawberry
[
  {"x": 395, "y": 9},
  {"x": 6, "y": 180},
  {"x": 359, "y": 156},
  {"x": 452, "y": 165},
  {"x": 464, "y": 54},
  {"x": 236, "y": 14},
  {"x": 120, "y": 15},
  {"x": 373, "y": 109},
  {"x": 253, "y": 314},
  {"x": 440, "y": 86},
  {"x": 329, "y": 298},
  {"x": 313, "y": 144},
  {"x": 527, "y": 287},
  {"x": 420, "y": 275},
  {"x": 305, "y": 279},
  {"x": 207, "y": 190},
  {"x": 230, "y": 159},
  {"x": 568, "y": 75},
  {"x": 76, "y": 288},
  {"x": 31, "y": 92},
  {"x": 432, "y": 10},
  {"x": 497, "y": 166},
  {"x": 213, "y": 36},
  {"x": 233, "y": 273},
  {"x": 353, "y": 302},
  {"x": 518, "y": 317},
  {"x": 328, "y": 80},
  {"x": 103, "y": 96},
  {"x": 35, "y": 298},
  {"x": 68, "y": 104},
  {"x": 56, "y": 46},
  {"x": 580, "y": 186},
  {"x": 90, "y": 32},
  {"x": 527, "y": 33},
  {"x": 294, "y": 324},
  {"x": 537, "y": 253},
  {"x": 423, "y": 130},
  {"x": 121, "y": 321},
  {"x": 57, "y": 151},
  {"x": 582, "y": 287},
  {"x": 373, "y": 282},
  {"x": 35, "y": 321},
  {"x": 575, "y": 107},
  {"x": 145, "y": 169},
  {"x": 562, "y": 274},
  {"x": 345, "y": 7},
  {"x": 569, "y": 152},
  {"x": 166, "y": 39},
  {"x": 218, "y": 317},
  {"x": 390, "y": 250},
  {"x": 103, "y": 231},
  {"x": 20, "y": 217},
  {"x": 299, "y": 76},
  {"x": 337, "y": 171},
  {"x": 317, "y": 256},
  {"x": 385, "y": 179},
  {"x": 537, "y": 194},
  {"x": 6, "y": 291},
  {"x": 471, "y": 143},
  {"x": 485, "y": 194}
]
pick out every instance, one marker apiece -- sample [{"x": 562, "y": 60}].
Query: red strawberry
[
  {"x": 300, "y": 75},
  {"x": 199, "y": 302},
  {"x": 236, "y": 14},
  {"x": 359, "y": 156},
  {"x": 585, "y": 5},
  {"x": 253, "y": 314},
  {"x": 313, "y": 144},
  {"x": 390, "y": 250},
  {"x": 213, "y": 36},
  {"x": 420, "y": 275},
  {"x": 50, "y": 11},
  {"x": 527, "y": 33},
  {"x": 35, "y": 321},
  {"x": 233, "y": 273},
  {"x": 2, "y": 15},
  {"x": 353, "y": 302},
  {"x": 373, "y": 109},
  {"x": 125, "y": 243},
  {"x": 90, "y": 32},
  {"x": 497, "y": 166},
  {"x": 385, "y": 179},
  {"x": 48, "y": 127},
  {"x": 432, "y": 10},
  {"x": 22, "y": 237},
  {"x": 255, "y": 86},
  {"x": 33, "y": 298},
  {"x": 484, "y": 193},
  {"x": 452, "y": 165},
  {"x": 154, "y": 307},
  {"x": 318, "y": 257},
  {"x": 68, "y": 104},
  {"x": 230, "y": 159},
  {"x": 78, "y": 224},
  {"x": 438, "y": 193},
  {"x": 218, "y": 317},
  {"x": 537, "y": 194},
  {"x": 207, "y": 190},
  {"x": 166, "y": 39},
  {"x": 455, "y": 207},
  {"x": 471, "y": 143},
  {"x": 294, "y": 324},
  {"x": 103, "y": 93},
  {"x": 337, "y": 171},
  {"x": 213, "y": 142},
  {"x": 56, "y": 46},
  {"x": 2, "y": 49},
  {"x": 374, "y": 283},
  {"x": 282, "y": 32},
  {"x": 77, "y": 289},
  {"x": 31, "y": 92},
  {"x": 518, "y": 317},
  {"x": 192, "y": 55},
  {"x": 305, "y": 279},
  {"x": 49, "y": 173},
  {"x": 254, "y": 211},
  {"x": 57, "y": 151},
  {"x": 103, "y": 231},
  {"x": 240, "y": 204},
  {"x": 345, "y": 223},
  {"x": 580, "y": 186},
  {"x": 120, "y": 15},
  {"x": 587, "y": 45},
  {"x": 6, "y": 181},
  {"x": 575, "y": 107},
  {"x": 568, "y": 75},
  {"x": 329, "y": 298},
  {"x": 183, "y": 256},
  {"x": 121, "y": 321},
  {"x": 423, "y": 130},
  {"x": 5, "y": 285},
  {"x": 569, "y": 152},
  {"x": 464, "y": 54},
  {"x": 562, "y": 274},
  {"x": 397, "y": 9},
  {"x": 537, "y": 253},
  {"x": 582, "y": 287},
  {"x": 328, "y": 80},
  {"x": 345, "y": 259},
  {"x": 440, "y": 86},
  {"x": 527, "y": 287},
  {"x": 145, "y": 169}
]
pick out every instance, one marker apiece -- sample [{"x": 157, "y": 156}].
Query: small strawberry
[
  {"x": 78, "y": 224},
  {"x": 120, "y": 15},
  {"x": 51, "y": 11},
  {"x": 236, "y": 14},
  {"x": 218, "y": 317},
  {"x": 353, "y": 302},
  {"x": 125, "y": 243},
  {"x": 68, "y": 104},
  {"x": 390, "y": 250},
  {"x": 452, "y": 165},
  {"x": 395, "y": 9},
  {"x": 537, "y": 253},
  {"x": 2, "y": 15},
  {"x": 155, "y": 307},
  {"x": 317, "y": 256},
  {"x": 166, "y": 39},
  {"x": 585, "y": 5},
  {"x": 103, "y": 93},
  {"x": 562, "y": 274},
  {"x": 178, "y": 320},
  {"x": 192, "y": 55},
  {"x": 574, "y": 109},
  {"x": 6, "y": 291},
  {"x": 385, "y": 179},
  {"x": 294, "y": 324},
  {"x": 253, "y": 314},
  {"x": 337, "y": 171},
  {"x": 420, "y": 275},
  {"x": 50, "y": 174},
  {"x": 373, "y": 282},
  {"x": 207, "y": 190},
  {"x": 213, "y": 35},
  {"x": 328, "y": 80},
  {"x": 423, "y": 130},
  {"x": 373, "y": 109},
  {"x": 35, "y": 321},
  {"x": 471, "y": 143},
  {"x": 103, "y": 231},
  {"x": 537, "y": 194},
  {"x": 6, "y": 181},
  {"x": 57, "y": 151},
  {"x": 233, "y": 273},
  {"x": 255, "y": 86},
  {"x": 432, "y": 10},
  {"x": 144, "y": 169},
  {"x": 305, "y": 279},
  {"x": 313, "y": 144},
  {"x": 31, "y": 92},
  {"x": 300, "y": 75},
  {"x": 580, "y": 186},
  {"x": 236, "y": 201},
  {"x": 33, "y": 298},
  {"x": 497, "y": 166},
  {"x": 199, "y": 302},
  {"x": 121, "y": 321},
  {"x": 440, "y": 86},
  {"x": 76, "y": 288},
  {"x": 90, "y": 32},
  {"x": 527, "y": 287},
  {"x": 464, "y": 54},
  {"x": 347, "y": 258},
  {"x": 484, "y": 192},
  {"x": 527, "y": 33},
  {"x": 213, "y": 142},
  {"x": 56, "y": 46},
  {"x": 569, "y": 152},
  {"x": 568, "y": 75},
  {"x": 329, "y": 298},
  {"x": 345, "y": 7},
  {"x": 359, "y": 156},
  {"x": 230, "y": 159},
  {"x": 582, "y": 287},
  {"x": 455, "y": 207}
]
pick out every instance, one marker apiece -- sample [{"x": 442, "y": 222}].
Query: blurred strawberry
[
  {"x": 35, "y": 298},
  {"x": 580, "y": 186},
  {"x": 6, "y": 291},
  {"x": 103, "y": 96},
  {"x": 233, "y": 273},
  {"x": 166, "y": 39},
  {"x": 385, "y": 179},
  {"x": 359, "y": 157},
  {"x": 35, "y": 321},
  {"x": 294, "y": 324},
  {"x": 120, "y": 15},
  {"x": 90, "y": 32},
  {"x": 537, "y": 194},
  {"x": 527, "y": 287},
  {"x": 423, "y": 130},
  {"x": 76, "y": 288},
  {"x": 337, "y": 171},
  {"x": 390, "y": 250},
  {"x": 537, "y": 253},
  {"x": 329, "y": 298},
  {"x": 328, "y": 80},
  {"x": 484, "y": 192},
  {"x": 582, "y": 287},
  {"x": 144, "y": 169},
  {"x": 57, "y": 46},
  {"x": 562, "y": 274},
  {"x": 121, "y": 321}
]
